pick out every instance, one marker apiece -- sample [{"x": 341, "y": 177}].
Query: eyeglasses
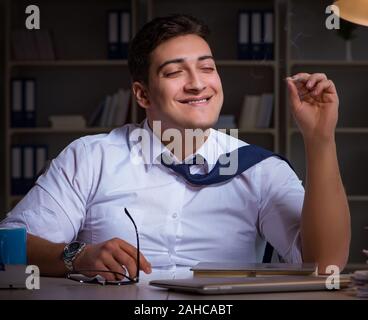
[{"x": 77, "y": 275}]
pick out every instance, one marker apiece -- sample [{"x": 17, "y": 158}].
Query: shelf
[
  {"x": 260, "y": 131},
  {"x": 343, "y": 63},
  {"x": 69, "y": 63},
  {"x": 245, "y": 63},
  {"x": 97, "y": 63},
  {"x": 358, "y": 198},
  {"x": 338, "y": 130},
  {"x": 14, "y": 131}
]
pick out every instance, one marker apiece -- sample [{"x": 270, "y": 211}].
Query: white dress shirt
[{"x": 83, "y": 193}]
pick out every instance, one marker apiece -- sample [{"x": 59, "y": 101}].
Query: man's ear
[{"x": 141, "y": 95}]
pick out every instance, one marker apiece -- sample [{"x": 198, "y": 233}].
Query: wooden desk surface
[{"x": 64, "y": 289}]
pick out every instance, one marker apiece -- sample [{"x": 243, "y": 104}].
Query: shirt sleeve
[
  {"x": 54, "y": 209},
  {"x": 282, "y": 196}
]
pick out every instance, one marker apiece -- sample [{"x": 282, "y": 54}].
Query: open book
[{"x": 213, "y": 269}]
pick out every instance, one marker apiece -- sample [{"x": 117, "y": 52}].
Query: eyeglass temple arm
[{"x": 137, "y": 235}]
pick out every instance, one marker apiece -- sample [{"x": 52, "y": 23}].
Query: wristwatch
[{"x": 71, "y": 251}]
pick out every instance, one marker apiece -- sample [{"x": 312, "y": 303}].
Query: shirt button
[{"x": 175, "y": 215}]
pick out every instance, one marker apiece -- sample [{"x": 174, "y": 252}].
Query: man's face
[{"x": 184, "y": 90}]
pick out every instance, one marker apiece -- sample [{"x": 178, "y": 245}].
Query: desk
[{"x": 62, "y": 289}]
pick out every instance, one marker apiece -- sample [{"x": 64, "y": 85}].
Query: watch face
[{"x": 74, "y": 246}]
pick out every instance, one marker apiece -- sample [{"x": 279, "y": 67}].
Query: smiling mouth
[{"x": 196, "y": 101}]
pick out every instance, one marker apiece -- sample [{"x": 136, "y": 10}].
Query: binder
[
  {"x": 256, "y": 35},
  {"x": 29, "y": 103},
  {"x": 113, "y": 35},
  {"x": 41, "y": 159},
  {"x": 244, "y": 45},
  {"x": 16, "y": 169},
  {"x": 268, "y": 35},
  {"x": 28, "y": 168},
  {"x": 119, "y": 32},
  {"x": 23, "y": 103},
  {"x": 16, "y": 103},
  {"x": 27, "y": 162},
  {"x": 124, "y": 33}
]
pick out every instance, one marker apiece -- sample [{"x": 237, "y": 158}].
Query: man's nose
[{"x": 195, "y": 83}]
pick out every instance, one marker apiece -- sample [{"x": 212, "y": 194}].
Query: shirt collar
[{"x": 152, "y": 149}]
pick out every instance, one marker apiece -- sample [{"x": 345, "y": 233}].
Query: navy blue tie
[{"x": 247, "y": 157}]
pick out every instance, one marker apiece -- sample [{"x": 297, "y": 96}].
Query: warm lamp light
[{"x": 355, "y": 11}]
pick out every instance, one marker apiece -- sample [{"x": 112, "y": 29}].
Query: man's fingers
[
  {"x": 132, "y": 251},
  {"x": 308, "y": 80},
  {"x": 315, "y": 79},
  {"x": 126, "y": 260},
  {"x": 301, "y": 77},
  {"x": 312, "y": 84},
  {"x": 321, "y": 86},
  {"x": 293, "y": 94},
  {"x": 119, "y": 260}
]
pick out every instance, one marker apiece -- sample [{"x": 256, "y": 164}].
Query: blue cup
[{"x": 13, "y": 249}]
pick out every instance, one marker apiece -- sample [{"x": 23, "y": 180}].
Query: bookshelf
[
  {"x": 81, "y": 63},
  {"x": 303, "y": 37},
  {"x": 81, "y": 75},
  {"x": 80, "y": 43}
]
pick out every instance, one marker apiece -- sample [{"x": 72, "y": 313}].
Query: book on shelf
[
  {"x": 214, "y": 269},
  {"x": 256, "y": 111},
  {"x": 44, "y": 44},
  {"x": 28, "y": 161},
  {"x": 23, "y": 102},
  {"x": 112, "y": 111},
  {"x": 264, "y": 114},
  {"x": 32, "y": 45},
  {"x": 256, "y": 35},
  {"x": 119, "y": 33}
]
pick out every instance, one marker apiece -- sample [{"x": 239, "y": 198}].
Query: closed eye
[
  {"x": 171, "y": 74},
  {"x": 208, "y": 69}
]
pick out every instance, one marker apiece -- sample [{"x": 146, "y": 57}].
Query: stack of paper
[
  {"x": 234, "y": 269},
  {"x": 67, "y": 122},
  {"x": 360, "y": 283}
]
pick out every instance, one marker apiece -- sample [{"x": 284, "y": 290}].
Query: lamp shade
[{"x": 355, "y": 11}]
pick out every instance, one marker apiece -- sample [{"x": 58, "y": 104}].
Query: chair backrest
[
  {"x": 265, "y": 253},
  {"x": 268, "y": 253}
]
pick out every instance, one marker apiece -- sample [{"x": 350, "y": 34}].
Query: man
[{"x": 83, "y": 193}]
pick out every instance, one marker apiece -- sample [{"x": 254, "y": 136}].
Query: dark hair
[{"x": 156, "y": 32}]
